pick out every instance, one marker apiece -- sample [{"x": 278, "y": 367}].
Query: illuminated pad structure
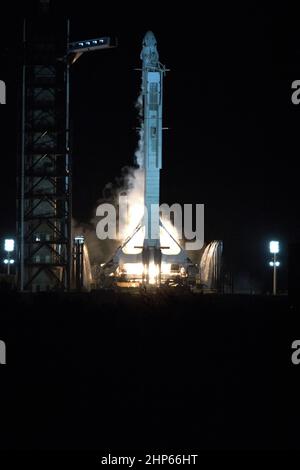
[{"x": 157, "y": 257}]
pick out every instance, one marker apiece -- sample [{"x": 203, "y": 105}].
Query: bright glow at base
[
  {"x": 134, "y": 268},
  {"x": 165, "y": 268},
  {"x": 153, "y": 273},
  {"x": 9, "y": 245},
  {"x": 274, "y": 247},
  {"x": 138, "y": 269},
  {"x": 139, "y": 272}
]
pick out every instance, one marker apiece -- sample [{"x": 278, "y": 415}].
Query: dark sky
[{"x": 233, "y": 142}]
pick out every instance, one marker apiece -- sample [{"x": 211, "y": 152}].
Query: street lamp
[
  {"x": 274, "y": 250},
  {"x": 78, "y": 269},
  {"x": 9, "y": 246}
]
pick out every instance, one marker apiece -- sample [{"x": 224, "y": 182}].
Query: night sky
[{"x": 233, "y": 142}]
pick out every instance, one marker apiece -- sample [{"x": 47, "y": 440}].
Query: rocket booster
[
  {"x": 152, "y": 81},
  {"x": 152, "y": 253}
]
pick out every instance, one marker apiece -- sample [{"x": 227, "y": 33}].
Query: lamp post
[
  {"x": 9, "y": 246},
  {"x": 78, "y": 262},
  {"x": 274, "y": 250}
]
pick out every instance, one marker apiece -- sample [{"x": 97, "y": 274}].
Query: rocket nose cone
[{"x": 149, "y": 39}]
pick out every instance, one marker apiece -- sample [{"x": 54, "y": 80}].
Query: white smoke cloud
[{"x": 130, "y": 183}]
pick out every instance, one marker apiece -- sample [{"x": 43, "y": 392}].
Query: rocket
[
  {"x": 152, "y": 92},
  {"x": 151, "y": 255}
]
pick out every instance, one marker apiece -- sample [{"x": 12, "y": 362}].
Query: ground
[{"x": 167, "y": 370}]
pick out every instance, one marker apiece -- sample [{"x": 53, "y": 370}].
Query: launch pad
[{"x": 49, "y": 256}]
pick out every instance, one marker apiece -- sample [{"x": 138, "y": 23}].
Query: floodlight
[
  {"x": 274, "y": 247},
  {"x": 9, "y": 245}
]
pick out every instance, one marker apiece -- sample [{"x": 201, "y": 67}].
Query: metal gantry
[{"x": 44, "y": 203}]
